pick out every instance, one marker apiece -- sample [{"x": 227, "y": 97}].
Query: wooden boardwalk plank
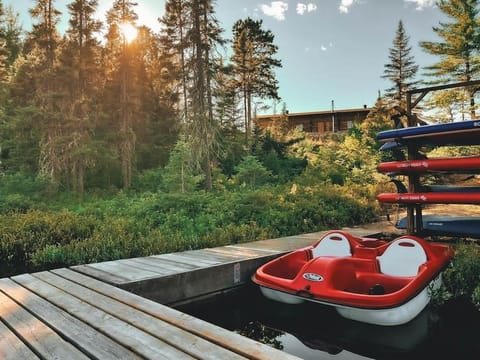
[
  {"x": 232, "y": 341},
  {"x": 140, "y": 265},
  {"x": 128, "y": 272},
  {"x": 289, "y": 243},
  {"x": 181, "y": 339},
  {"x": 232, "y": 251},
  {"x": 90, "y": 341},
  {"x": 45, "y": 342},
  {"x": 213, "y": 256},
  {"x": 152, "y": 265},
  {"x": 12, "y": 348},
  {"x": 168, "y": 266},
  {"x": 113, "y": 279},
  {"x": 241, "y": 252},
  {"x": 171, "y": 264},
  {"x": 192, "y": 259},
  {"x": 222, "y": 254},
  {"x": 135, "y": 339}
]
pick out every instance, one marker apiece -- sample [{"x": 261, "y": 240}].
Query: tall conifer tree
[
  {"x": 401, "y": 69},
  {"x": 41, "y": 46},
  {"x": 122, "y": 84},
  {"x": 77, "y": 76},
  {"x": 192, "y": 35},
  {"x": 459, "y": 49},
  {"x": 176, "y": 24},
  {"x": 254, "y": 63}
]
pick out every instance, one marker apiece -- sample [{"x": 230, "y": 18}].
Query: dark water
[{"x": 313, "y": 331}]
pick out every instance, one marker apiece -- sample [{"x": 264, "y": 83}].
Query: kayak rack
[{"x": 413, "y": 98}]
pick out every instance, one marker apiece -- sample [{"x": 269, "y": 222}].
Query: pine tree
[
  {"x": 77, "y": 76},
  {"x": 121, "y": 83},
  {"x": 176, "y": 24},
  {"x": 227, "y": 101},
  {"x": 41, "y": 53},
  {"x": 3, "y": 48},
  {"x": 459, "y": 49},
  {"x": 11, "y": 32},
  {"x": 156, "y": 127},
  {"x": 401, "y": 69},
  {"x": 44, "y": 33},
  {"x": 254, "y": 63},
  {"x": 179, "y": 174},
  {"x": 195, "y": 38}
]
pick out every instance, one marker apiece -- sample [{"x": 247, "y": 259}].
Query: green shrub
[
  {"x": 26, "y": 185},
  {"x": 15, "y": 203},
  {"x": 21, "y": 235},
  {"x": 130, "y": 225},
  {"x": 463, "y": 276}
]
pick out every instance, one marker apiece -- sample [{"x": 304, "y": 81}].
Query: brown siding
[{"x": 318, "y": 122}]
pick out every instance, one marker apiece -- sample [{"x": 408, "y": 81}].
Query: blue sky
[{"x": 330, "y": 49}]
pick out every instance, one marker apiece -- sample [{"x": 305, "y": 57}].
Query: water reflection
[{"x": 313, "y": 331}]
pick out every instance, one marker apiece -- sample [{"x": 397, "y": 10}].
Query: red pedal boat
[{"x": 365, "y": 279}]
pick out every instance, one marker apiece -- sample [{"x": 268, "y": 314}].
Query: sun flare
[{"x": 128, "y": 31}]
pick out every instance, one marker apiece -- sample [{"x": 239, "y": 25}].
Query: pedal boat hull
[{"x": 358, "y": 285}]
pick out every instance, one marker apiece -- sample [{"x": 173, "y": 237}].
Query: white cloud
[
  {"x": 422, "y": 4},
  {"x": 323, "y": 48},
  {"x": 302, "y": 8},
  {"x": 276, "y": 9},
  {"x": 345, "y": 5}
]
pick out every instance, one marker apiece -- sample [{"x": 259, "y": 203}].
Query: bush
[
  {"x": 462, "y": 277},
  {"x": 21, "y": 235},
  {"x": 130, "y": 225},
  {"x": 12, "y": 203},
  {"x": 19, "y": 192}
]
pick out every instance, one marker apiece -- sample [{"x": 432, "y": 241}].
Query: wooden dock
[
  {"x": 95, "y": 311},
  {"x": 180, "y": 277},
  {"x": 62, "y": 314}
]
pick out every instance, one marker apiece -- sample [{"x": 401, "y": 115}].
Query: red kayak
[
  {"x": 367, "y": 280},
  {"x": 462, "y": 164},
  {"x": 431, "y": 197}
]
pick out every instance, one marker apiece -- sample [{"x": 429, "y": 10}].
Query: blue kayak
[
  {"x": 448, "y": 225},
  {"x": 454, "y": 133}
]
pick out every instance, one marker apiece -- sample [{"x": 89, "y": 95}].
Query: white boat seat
[
  {"x": 333, "y": 244},
  {"x": 402, "y": 258}
]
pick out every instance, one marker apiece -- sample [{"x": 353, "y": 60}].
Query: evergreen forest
[{"x": 134, "y": 143}]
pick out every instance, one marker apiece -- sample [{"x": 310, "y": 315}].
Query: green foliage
[
  {"x": 129, "y": 225},
  {"x": 21, "y": 235},
  {"x": 401, "y": 69},
  {"x": 19, "y": 192},
  {"x": 358, "y": 159},
  {"x": 454, "y": 151},
  {"x": 462, "y": 277},
  {"x": 253, "y": 64},
  {"x": 274, "y": 155},
  {"x": 251, "y": 173},
  {"x": 458, "y": 46},
  {"x": 180, "y": 173}
]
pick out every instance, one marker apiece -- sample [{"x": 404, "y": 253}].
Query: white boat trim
[{"x": 386, "y": 317}]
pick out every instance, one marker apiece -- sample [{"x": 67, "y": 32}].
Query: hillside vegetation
[{"x": 280, "y": 188}]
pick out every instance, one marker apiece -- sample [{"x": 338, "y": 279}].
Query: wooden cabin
[{"x": 318, "y": 122}]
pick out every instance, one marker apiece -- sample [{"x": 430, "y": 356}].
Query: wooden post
[{"x": 414, "y": 212}]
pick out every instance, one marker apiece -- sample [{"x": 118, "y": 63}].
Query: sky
[{"x": 331, "y": 50}]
